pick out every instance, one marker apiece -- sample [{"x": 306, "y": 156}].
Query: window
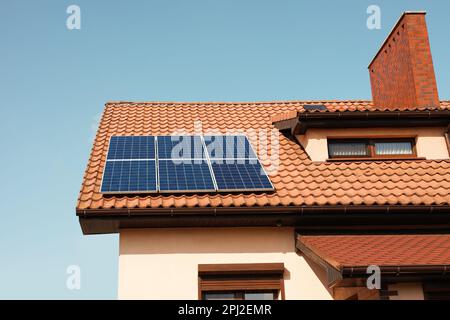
[
  {"x": 259, "y": 281},
  {"x": 371, "y": 148}
]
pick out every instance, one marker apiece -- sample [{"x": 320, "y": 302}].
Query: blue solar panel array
[{"x": 145, "y": 164}]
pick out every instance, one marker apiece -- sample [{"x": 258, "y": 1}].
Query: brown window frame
[
  {"x": 241, "y": 278},
  {"x": 370, "y": 147}
]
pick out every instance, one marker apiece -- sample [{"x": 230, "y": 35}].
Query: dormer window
[{"x": 342, "y": 149}]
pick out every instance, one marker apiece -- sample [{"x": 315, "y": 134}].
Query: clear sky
[{"x": 54, "y": 83}]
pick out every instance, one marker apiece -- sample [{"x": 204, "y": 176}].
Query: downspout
[{"x": 447, "y": 139}]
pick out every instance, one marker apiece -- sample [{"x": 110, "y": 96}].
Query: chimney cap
[{"x": 392, "y": 30}]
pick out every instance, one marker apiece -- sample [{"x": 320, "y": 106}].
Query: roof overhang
[
  {"x": 345, "y": 275},
  {"x": 310, "y": 219},
  {"x": 357, "y": 119}
]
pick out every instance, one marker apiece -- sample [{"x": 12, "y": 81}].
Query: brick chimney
[{"x": 402, "y": 73}]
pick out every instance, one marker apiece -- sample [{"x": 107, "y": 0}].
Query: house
[{"x": 357, "y": 205}]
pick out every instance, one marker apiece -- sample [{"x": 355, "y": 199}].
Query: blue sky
[{"x": 54, "y": 83}]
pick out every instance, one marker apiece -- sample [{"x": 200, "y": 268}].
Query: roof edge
[
  {"x": 99, "y": 221},
  {"x": 337, "y": 272},
  {"x": 337, "y": 209}
]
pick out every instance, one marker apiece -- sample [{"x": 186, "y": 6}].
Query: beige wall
[
  {"x": 430, "y": 142},
  {"x": 407, "y": 291},
  {"x": 162, "y": 263}
]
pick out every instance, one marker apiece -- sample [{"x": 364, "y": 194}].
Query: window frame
[
  {"x": 241, "y": 278},
  {"x": 370, "y": 147}
]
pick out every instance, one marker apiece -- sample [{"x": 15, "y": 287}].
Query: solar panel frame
[
  {"x": 157, "y": 164},
  {"x": 209, "y": 163}
]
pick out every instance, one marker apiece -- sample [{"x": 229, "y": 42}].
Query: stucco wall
[
  {"x": 162, "y": 263},
  {"x": 430, "y": 142}
]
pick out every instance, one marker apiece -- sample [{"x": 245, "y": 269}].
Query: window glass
[
  {"x": 392, "y": 148},
  {"x": 219, "y": 296},
  {"x": 259, "y": 296},
  {"x": 239, "y": 295},
  {"x": 371, "y": 148},
  {"x": 347, "y": 149}
]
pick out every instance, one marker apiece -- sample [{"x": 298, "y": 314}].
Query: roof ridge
[{"x": 240, "y": 102}]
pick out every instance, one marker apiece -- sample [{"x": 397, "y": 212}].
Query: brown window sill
[{"x": 375, "y": 159}]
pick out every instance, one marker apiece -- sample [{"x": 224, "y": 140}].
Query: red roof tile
[
  {"x": 380, "y": 250},
  {"x": 298, "y": 181}
]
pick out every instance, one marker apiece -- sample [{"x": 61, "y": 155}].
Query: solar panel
[
  {"x": 129, "y": 176},
  {"x": 186, "y": 175},
  {"x": 182, "y": 164},
  {"x": 129, "y": 147},
  {"x": 238, "y": 175},
  {"x": 313, "y": 107},
  {"x": 180, "y": 147},
  {"x": 229, "y": 147}
]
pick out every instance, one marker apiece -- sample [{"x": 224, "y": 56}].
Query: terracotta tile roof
[
  {"x": 284, "y": 116},
  {"x": 298, "y": 181},
  {"x": 381, "y": 250}
]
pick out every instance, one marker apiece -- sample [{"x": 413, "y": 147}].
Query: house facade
[{"x": 358, "y": 207}]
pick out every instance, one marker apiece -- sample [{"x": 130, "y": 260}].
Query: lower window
[{"x": 259, "y": 281}]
